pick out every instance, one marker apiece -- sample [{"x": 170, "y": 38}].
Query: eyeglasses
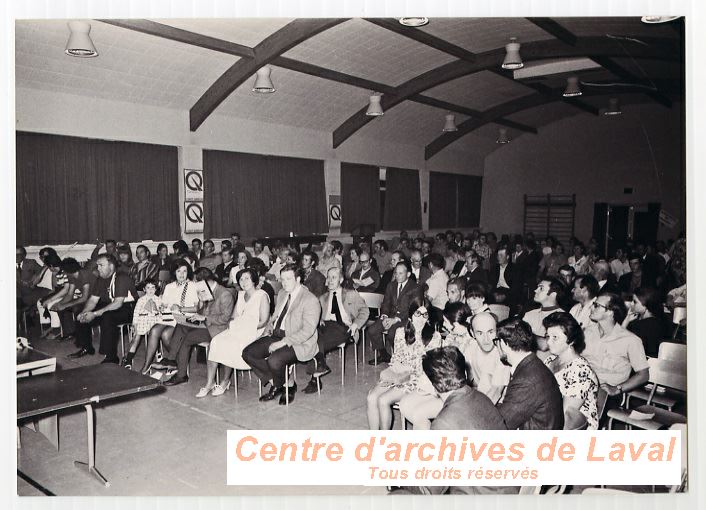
[
  {"x": 421, "y": 314},
  {"x": 596, "y": 304},
  {"x": 496, "y": 341}
]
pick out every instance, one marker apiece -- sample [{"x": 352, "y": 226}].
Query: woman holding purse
[{"x": 402, "y": 376}]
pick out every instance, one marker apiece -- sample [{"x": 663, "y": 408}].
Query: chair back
[
  {"x": 668, "y": 374},
  {"x": 600, "y": 402},
  {"x": 372, "y": 299},
  {"x": 502, "y": 312},
  {"x": 670, "y": 351}
]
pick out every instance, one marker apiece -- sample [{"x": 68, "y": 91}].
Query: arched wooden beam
[
  {"x": 272, "y": 47},
  {"x": 508, "y": 108},
  {"x": 657, "y": 48}
]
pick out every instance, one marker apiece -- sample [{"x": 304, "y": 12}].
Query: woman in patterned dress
[
  {"x": 577, "y": 380},
  {"x": 405, "y": 368}
]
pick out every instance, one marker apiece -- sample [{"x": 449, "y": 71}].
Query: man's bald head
[{"x": 483, "y": 329}]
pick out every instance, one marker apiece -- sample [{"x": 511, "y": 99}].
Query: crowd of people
[{"x": 476, "y": 332}]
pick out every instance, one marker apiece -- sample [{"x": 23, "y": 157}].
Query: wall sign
[
  {"x": 193, "y": 185},
  {"x": 334, "y": 211},
  {"x": 193, "y": 217}
]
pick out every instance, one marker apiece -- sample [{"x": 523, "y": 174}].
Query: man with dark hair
[
  {"x": 579, "y": 260},
  {"x": 226, "y": 244},
  {"x": 394, "y": 311},
  {"x": 223, "y": 269},
  {"x": 78, "y": 290},
  {"x": 532, "y": 400},
  {"x": 112, "y": 301},
  {"x": 584, "y": 293},
  {"x": 382, "y": 256},
  {"x": 196, "y": 248},
  {"x": 396, "y": 257},
  {"x": 258, "y": 251},
  {"x": 111, "y": 248},
  {"x": 548, "y": 294},
  {"x": 365, "y": 278},
  {"x": 212, "y": 320},
  {"x": 436, "y": 284},
  {"x": 567, "y": 274},
  {"x": 209, "y": 258},
  {"x": 236, "y": 243},
  {"x": 419, "y": 270},
  {"x": 636, "y": 278},
  {"x": 27, "y": 271},
  {"x": 292, "y": 335},
  {"x": 313, "y": 280},
  {"x": 613, "y": 352}
]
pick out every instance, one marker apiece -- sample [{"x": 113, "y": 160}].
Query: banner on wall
[
  {"x": 334, "y": 211},
  {"x": 193, "y": 185},
  {"x": 193, "y": 217}
]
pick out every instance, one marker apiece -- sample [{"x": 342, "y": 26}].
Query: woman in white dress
[{"x": 250, "y": 317}]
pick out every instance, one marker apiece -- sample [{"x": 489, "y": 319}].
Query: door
[{"x": 611, "y": 226}]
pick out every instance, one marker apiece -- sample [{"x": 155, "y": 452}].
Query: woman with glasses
[
  {"x": 403, "y": 374},
  {"x": 577, "y": 380}
]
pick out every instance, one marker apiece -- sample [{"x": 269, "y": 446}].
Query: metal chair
[
  {"x": 293, "y": 368},
  {"x": 342, "y": 353},
  {"x": 668, "y": 351}
]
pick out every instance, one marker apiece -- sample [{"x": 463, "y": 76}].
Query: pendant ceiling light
[
  {"x": 450, "y": 124},
  {"x": 374, "y": 108},
  {"x": 263, "y": 83},
  {"x": 658, "y": 19},
  {"x": 80, "y": 43},
  {"x": 413, "y": 22},
  {"x": 502, "y": 136},
  {"x": 613, "y": 107},
  {"x": 512, "y": 55},
  {"x": 572, "y": 87}
]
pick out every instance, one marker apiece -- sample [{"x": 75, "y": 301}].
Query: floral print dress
[
  {"x": 408, "y": 358},
  {"x": 578, "y": 380}
]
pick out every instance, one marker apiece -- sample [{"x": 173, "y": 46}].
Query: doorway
[{"x": 616, "y": 224}]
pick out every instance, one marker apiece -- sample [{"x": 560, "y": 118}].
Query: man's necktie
[
  {"x": 399, "y": 290},
  {"x": 278, "y": 325},
  {"x": 335, "y": 309}
]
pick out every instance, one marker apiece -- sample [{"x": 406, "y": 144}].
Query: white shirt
[
  {"x": 437, "y": 289},
  {"x": 490, "y": 376},
  {"x": 292, "y": 296},
  {"x": 265, "y": 258},
  {"x": 535, "y": 317},
  {"x": 619, "y": 267},
  {"x": 415, "y": 272},
  {"x": 172, "y": 294},
  {"x": 329, "y": 315},
  {"x": 501, "y": 278},
  {"x": 582, "y": 313},
  {"x": 46, "y": 281}
]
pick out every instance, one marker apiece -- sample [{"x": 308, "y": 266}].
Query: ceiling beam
[
  {"x": 503, "y": 110},
  {"x": 660, "y": 49},
  {"x": 423, "y": 37},
  {"x": 437, "y": 103},
  {"x": 553, "y": 28},
  {"x": 622, "y": 73},
  {"x": 269, "y": 49},
  {"x": 183, "y": 36}
]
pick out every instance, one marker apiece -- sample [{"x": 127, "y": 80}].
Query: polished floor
[{"x": 168, "y": 442}]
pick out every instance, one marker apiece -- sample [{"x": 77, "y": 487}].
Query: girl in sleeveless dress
[{"x": 250, "y": 317}]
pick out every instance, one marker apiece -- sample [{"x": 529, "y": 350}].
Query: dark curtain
[
  {"x": 258, "y": 195},
  {"x": 470, "y": 189},
  {"x": 403, "y": 210},
  {"x": 73, "y": 189},
  {"x": 360, "y": 196},
  {"x": 442, "y": 200}
]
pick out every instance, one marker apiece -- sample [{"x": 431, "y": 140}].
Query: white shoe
[
  {"x": 219, "y": 390},
  {"x": 205, "y": 391}
]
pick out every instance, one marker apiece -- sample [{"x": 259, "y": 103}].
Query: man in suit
[
  {"x": 637, "y": 277},
  {"x": 365, "y": 278},
  {"x": 607, "y": 283},
  {"x": 214, "y": 318},
  {"x": 389, "y": 274},
  {"x": 464, "y": 408},
  {"x": 532, "y": 400},
  {"x": 472, "y": 271},
  {"x": 419, "y": 270},
  {"x": 292, "y": 335},
  {"x": 223, "y": 269},
  {"x": 27, "y": 271},
  {"x": 501, "y": 274},
  {"x": 343, "y": 314},
  {"x": 313, "y": 280},
  {"x": 394, "y": 311}
]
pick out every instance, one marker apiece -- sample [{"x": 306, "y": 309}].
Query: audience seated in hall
[
  {"x": 645, "y": 318},
  {"x": 584, "y": 293},
  {"x": 396, "y": 257},
  {"x": 365, "y": 278},
  {"x": 77, "y": 291},
  {"x": 420, "y": 272},
  {"x": 381, "y": 255},
  {"x": 327, "y": 260},
  {"x": 435, "y": 291},
  {"x": 144, "y": 269},
  {"x": 313, "y": 280},
  {"x": 209, "y": 258},
  {"x": 547, "y": 295}
]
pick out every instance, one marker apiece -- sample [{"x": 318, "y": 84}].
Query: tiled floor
[{"x": 168, "y": 442}]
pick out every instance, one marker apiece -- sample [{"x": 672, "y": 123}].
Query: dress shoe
[
  {"x": 110, "y": 360},
  {"x": 270, "y": 395},
  {"x": 283, "y": 398},
  {"x": 383, "y": 357},
  {"x": 81, "y": 353},
  {"x": 312, "y": 387},
  {"x": 176, "y": 380},
  {"x": 322, "y": 370}
]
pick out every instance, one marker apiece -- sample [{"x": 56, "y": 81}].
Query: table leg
[{"x": 91, "y": 465}]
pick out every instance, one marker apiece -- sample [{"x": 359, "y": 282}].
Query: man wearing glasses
[
  {"x": 365, "y": 278},
  {"x": 615, "y": 355}
]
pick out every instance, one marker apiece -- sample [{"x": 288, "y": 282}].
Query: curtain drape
[
  {"x": 259, "y": 196},
  {"x": 72, "y": 189},
  {"x": 403, "y": 210},
  {"x": 470, "y": 189},
  {"x": 454, "y": 200},
  {"x": 360, "y": 196}
]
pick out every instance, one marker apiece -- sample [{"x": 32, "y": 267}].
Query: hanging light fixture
[
  {"x": 413, "y": 22},
  {"x": 613, "y": 107},
  {"x": 80, "y": 43},
  {"x": 512, "y": 55},
  {"x": 502, "y": 136},
  {"x": 572, "y": 87},
  {"x": 658, "y": 19},
  {"x": 374, "y": 108},
  {"x": 450, "y": 124},
  {"x": 263, "y": 83}
]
